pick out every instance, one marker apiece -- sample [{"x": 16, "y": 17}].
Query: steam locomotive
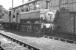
[{"x": 41, "y": 22}]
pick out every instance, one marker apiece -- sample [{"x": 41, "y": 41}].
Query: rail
[
  {"x": 20, "y": 43},
  {"x": 61, "y": 39}
]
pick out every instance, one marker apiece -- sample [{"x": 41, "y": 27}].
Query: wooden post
[
  {"x": 60, "y": 3},
  {"x": 22, "y": 1},
  {"x": 12, "y": 3}
]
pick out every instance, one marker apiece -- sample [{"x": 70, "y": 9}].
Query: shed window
[{"x": 13, "y": 16}]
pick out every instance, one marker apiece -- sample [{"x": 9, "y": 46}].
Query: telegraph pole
[
  {"x": 60, "y": 3},
  {"x": 12, "y": 3},
  {"x": 22, "y": 1}
]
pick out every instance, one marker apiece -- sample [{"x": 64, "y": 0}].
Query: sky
[{"x": 8, "y": 3}]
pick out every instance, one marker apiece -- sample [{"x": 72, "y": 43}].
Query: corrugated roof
[{"x": 24, "y": 4}]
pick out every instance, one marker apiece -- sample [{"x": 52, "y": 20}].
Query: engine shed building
[
  {"x": 46, "y": 4},
  {"x": 43, "y": 4}
]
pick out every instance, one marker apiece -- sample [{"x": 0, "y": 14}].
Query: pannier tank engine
[
  {"x": 43, "y": 18},
  {"x": 35, "y": 21}
]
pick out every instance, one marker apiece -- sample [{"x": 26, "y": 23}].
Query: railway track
[
  {"x": 22, "y": 41},
  {"x": 1, "y": 48},
  {"x": 61, "y": 39},
  {"x": 29, "y": 47}
]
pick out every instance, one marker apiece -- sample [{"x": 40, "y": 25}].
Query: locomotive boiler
[{"x": 38, "y": 21}]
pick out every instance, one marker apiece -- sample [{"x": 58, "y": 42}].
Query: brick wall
[{"x": 69, "y": 4}]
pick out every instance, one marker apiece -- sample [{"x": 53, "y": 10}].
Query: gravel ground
[
  {"x": 6, "y": 44},
  {"x": 43, "y": 43}
]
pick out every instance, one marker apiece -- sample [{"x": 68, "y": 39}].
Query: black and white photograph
[{"x": 37, "y": 24}]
